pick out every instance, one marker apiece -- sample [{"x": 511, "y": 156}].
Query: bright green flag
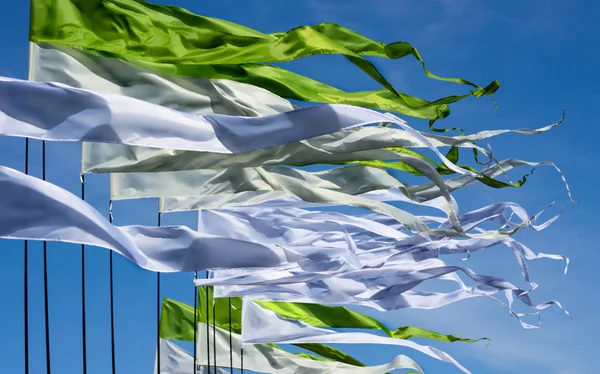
[{"x": 172, "y": 40}]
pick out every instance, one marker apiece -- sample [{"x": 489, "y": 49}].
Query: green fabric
[
  {"x": 175, "y": 41},
  {"x": 329, "y": 353},
  {"x": 177, "y": 322},
  {"x": 340, "y": 317}
]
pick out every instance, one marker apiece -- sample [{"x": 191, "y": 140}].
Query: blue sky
[{"x": 544, "y": 55}]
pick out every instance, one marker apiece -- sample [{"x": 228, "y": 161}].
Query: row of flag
[{"x": 188, "y": 109}]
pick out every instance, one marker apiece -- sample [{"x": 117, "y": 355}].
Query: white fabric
[
  {"x": 376, "y": 240},
  {"x": 302, "y": 185},
  {"x": 386, "y": 292},
  {"x": 382, "y": 287},
  {"x": 219, "y": 189},
  {"x": 286, "y": 331},
  {"x": 274, "y": 199},
  {"x": 72, "y": 114},
  {"x": 363, "y": 143},
  {"x": 350, "y": 179},
  {"x": 288, "y": 226},
  {"x": 55, "y": 63},
  {"x": 265, "y": 359},
  {"x": 176, "y": 360},
  {"x": 33, "y": 209}
]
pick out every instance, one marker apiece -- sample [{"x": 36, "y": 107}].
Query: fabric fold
[
  {"x": 47, "y": 212},
  {"x": 212, "y": 48},
  {"x": 286, "y": 331},
  {"x": 84, "y": 115},
  {"x": 177, "y": 319},
  {"x": 358, "y": 145},
  {"x": 126, "y": 186},
  {"x": 266, "y": 359}
]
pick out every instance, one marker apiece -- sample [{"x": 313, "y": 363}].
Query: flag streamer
[
  {"x": 286, "y": 331},
  {"x": 177, "y": 317},
  {"x": 212, "y": 48}
]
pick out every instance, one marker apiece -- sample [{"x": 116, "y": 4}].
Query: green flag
[
  {"x": 172, "y": 40},
  {"x": 177, "y": 321}
]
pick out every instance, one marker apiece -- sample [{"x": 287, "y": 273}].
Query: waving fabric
[{"x": 212, "y": 48}]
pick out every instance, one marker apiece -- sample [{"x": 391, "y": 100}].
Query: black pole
[
  {"x": 83, "y": 318},
  {"x": 214, "y": 330},
  {"x": 26, "y": 276},
  {"x": 112, "y": 304},
  {"x": 242, "y": 359},
  {"x": 158, "y": 310},
  {"x": 195, "y": 324},
  {"x": 207, "y": 326},
  {"x": 45, "y": 249},
  {"x": 230, "y": 340}
]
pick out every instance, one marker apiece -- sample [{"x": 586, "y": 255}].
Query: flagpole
[
  {"x": 83, "y": 317},
  {"x": 45, "y": 250},
  {"x": 158, "y": 307},
  {"x": 230, "y": 340},
  {"x": 112, "y": 307},
  {"x": 26, "y": 276},
  {"x": 207, "y": 326},
  {"x": 214, "y": 329},
  {"x": 26, "y": 243},
  {"x": 195, "y": 324}
]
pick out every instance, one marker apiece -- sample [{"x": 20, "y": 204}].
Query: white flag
[
  {"x": 176, "y": 360},
  {"x": 285, "y": 331},
  {"x": 33, "y": 209},
  {"x": 72, "y": 114},
  {"x": 265, "y": 359}
]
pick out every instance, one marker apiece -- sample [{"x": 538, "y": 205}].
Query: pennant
[
  {"x": 303, "y": 186},
  {"x": 348, "y": 146},
  {"x": 355, "y": 145},
  {"x": 177, "y": 318},
  {"x": 375, "y": 240},
  {"x": 44, "y": 211},
  {"x": 177, "y": 323},
  {"x": 267, "y": 359},
  {"x": 84, "y": 115},
  {"x": 37, "y": 210},
  {"x": 212, "y": 48},
  {"x": 285, "y": 331}
]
